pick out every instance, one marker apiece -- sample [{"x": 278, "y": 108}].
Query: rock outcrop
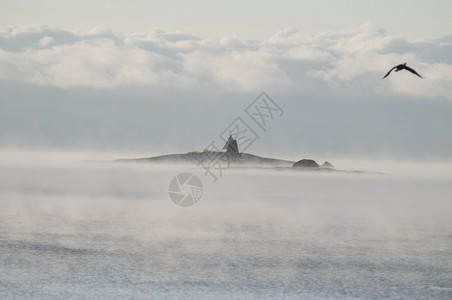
[
  {"x": 327, "y": 165},
  {"x": 305, "y": 163}
]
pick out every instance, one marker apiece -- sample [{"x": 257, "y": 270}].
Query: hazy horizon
[
  {"x": 86, "y": 82},
  {"x": 82, "y": 229}
]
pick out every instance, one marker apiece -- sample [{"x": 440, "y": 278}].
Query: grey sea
[{"x": 87, "y": 230}]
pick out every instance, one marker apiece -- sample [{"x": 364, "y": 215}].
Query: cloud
[
  {"x": 165, "y": 91},
  {"x": 160, "y": 59},
  {"x": 19, "y": 39},
  {"x": 158, "y": 89}
]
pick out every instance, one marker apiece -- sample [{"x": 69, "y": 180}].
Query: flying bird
[{"x": 401, "y": 67}]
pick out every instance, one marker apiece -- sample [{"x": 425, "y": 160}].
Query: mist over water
[{"x": 103, "y": 230}]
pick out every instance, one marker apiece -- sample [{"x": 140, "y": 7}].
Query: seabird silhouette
[{"x": 401, "y": 67}]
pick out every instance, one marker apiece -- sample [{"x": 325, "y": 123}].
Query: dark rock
[
  {"x": 305, "y": 163},
  {"x": 327, "y": 165},
  {"x": 231, "y": 146}
]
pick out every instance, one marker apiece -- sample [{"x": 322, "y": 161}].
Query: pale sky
[
  {"x": 250, "y": 19},
  {"x": 170, "y": 76}
]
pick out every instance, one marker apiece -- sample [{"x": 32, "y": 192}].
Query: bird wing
[
  {"x": 389, "y": 72},
  {"x": 411, "y": 70}
]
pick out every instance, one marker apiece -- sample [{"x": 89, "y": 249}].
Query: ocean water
[{"x": 72, "y": 229}]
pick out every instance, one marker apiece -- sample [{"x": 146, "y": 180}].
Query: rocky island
[{"x": 231, "y": 157}]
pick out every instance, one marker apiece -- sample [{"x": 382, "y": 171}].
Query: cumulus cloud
[
  {"x": 158, "y": 89},
  {"x": 290, "y": 60}
]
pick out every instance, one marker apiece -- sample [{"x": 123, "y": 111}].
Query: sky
[
  {"x": 170, "y": 76},
  {"x": 250, "y": 19}
]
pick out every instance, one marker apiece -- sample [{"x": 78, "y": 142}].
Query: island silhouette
[{"x": 230, "y": 156}]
